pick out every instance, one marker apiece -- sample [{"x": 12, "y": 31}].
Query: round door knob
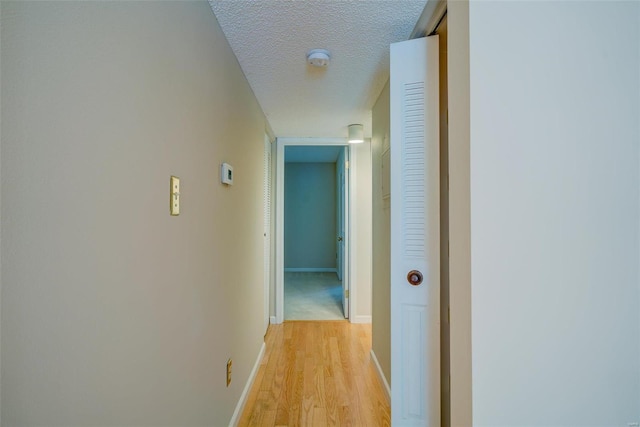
[{"x": 414, "y": 277}]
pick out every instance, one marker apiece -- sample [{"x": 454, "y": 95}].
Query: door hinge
[
  {"x": 346, "y": 293},
  {"x": 449, "y": 314},
  {"x": 346, "y": 164}
]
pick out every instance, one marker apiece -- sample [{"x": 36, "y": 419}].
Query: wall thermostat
[{"x": 226, "y": 173}]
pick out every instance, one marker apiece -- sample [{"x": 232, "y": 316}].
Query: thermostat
[{"x": 226, "y": 173}]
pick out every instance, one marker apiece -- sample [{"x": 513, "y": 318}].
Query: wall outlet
[
  {"x": 229, "y": 366},
  {"x": 174, "y": 198}
]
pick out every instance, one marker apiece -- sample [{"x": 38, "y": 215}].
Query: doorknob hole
[{"x": 415, "y": 278}]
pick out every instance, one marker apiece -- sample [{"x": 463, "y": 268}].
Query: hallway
[{"x": 317, "y": 374}]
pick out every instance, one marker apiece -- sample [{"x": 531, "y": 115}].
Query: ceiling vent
[{"x": 318, "y": 57}]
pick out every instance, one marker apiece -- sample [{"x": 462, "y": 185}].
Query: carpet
[{"x": 312, "y": 296}]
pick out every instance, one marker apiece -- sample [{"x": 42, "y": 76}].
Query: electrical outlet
[{"x": 229, "y": 366}]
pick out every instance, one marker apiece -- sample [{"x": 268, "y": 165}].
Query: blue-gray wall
[{"x": 310, "y": 215}]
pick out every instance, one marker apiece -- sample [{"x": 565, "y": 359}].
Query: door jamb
[{"x": 281, "y": 143}]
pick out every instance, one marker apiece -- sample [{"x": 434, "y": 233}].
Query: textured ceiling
[{"x": 272, "y": 37}]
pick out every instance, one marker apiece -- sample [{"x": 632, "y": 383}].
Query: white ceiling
[{"x": 272, "y": 37}]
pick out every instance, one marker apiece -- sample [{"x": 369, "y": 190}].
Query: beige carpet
[{"x": 312, "y": 296}]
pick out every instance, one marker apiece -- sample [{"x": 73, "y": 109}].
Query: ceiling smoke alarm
[{"x": 318, "y": 57}]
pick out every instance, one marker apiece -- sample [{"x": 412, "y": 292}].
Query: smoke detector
[{"x": 318, "y": 57}]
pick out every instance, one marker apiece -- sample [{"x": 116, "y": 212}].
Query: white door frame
[
  {"x": 340, "y": 184},
  {"x": 281, "y": 143},
  {"x": 267, "y": 218},
  {"x": 342, "y": 191}
]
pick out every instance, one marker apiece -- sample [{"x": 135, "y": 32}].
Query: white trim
[
  {"x": 360, "y": 319},
  {"x": 347, "y": 270},
  {"x": 349, "y": 265},
  {"x": 310, "y": 270},
  {"x": 279, "y": 232},
  {"x": 383, "y": 379},
  {"x": 267, "y": 209},
  {"x": 272, "y": 320},
  {"x": 431, "y": 16},
  {"x": 245, "y": 392},
  {"x": 279, "y": 285}
]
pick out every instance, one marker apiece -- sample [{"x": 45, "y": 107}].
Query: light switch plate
[{"x": 174, "y": 201}]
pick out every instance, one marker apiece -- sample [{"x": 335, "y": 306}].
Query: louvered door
[{"x": 415, "y": 234}]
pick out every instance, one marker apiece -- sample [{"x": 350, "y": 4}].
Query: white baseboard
[
  {"x": 360, "y": 319},
  {"x": 310, "y": 270},
  {"x": 272, "y": 320},
  {"x": 247, "y": 387},
  {"x": 383, "y": 379}
]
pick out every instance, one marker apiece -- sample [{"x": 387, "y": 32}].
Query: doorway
[{"x": 312, "y": 230}]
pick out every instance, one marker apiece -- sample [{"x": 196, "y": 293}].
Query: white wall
[
  {"x": 554, "y": 212},
  {"x": 310, "y": 215},
  {"x": 114, "y": 312}
]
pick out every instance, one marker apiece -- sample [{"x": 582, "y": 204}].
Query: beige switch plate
[{"x": 174, "y": 201}]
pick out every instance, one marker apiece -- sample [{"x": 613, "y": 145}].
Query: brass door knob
[{"x": 414, "y": 277}]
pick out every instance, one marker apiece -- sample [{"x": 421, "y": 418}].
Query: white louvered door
[{"x": 415, "y": 234}]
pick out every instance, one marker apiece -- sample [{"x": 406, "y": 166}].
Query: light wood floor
[{"x": 317, "y": 374}]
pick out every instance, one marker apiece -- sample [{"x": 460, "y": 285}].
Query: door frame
[
  {"x": 340, "y": 217},
  {"x": 267, "y": 224},
  {"x": 342, "y": 191},
  {"x": 281, "y": 143},
  {"x": 454, "y": 208}
]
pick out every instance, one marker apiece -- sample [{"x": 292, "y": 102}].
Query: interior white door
[
  {"x": 342, "y": 229},
  {"x": 415, "y": 234},
  {"x": 340, "y": 214}
]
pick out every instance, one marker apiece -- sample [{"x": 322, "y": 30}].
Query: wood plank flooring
[{"x": 317, "y": 373}]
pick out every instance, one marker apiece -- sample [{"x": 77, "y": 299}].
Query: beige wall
[
  {"x": 444, "y": 226},
  {"x": 381, "y": 236},
  {"x": 114, "y": 312},
  {"x": 361, "y": 231},
  {"x": 459, "y": 212}
]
